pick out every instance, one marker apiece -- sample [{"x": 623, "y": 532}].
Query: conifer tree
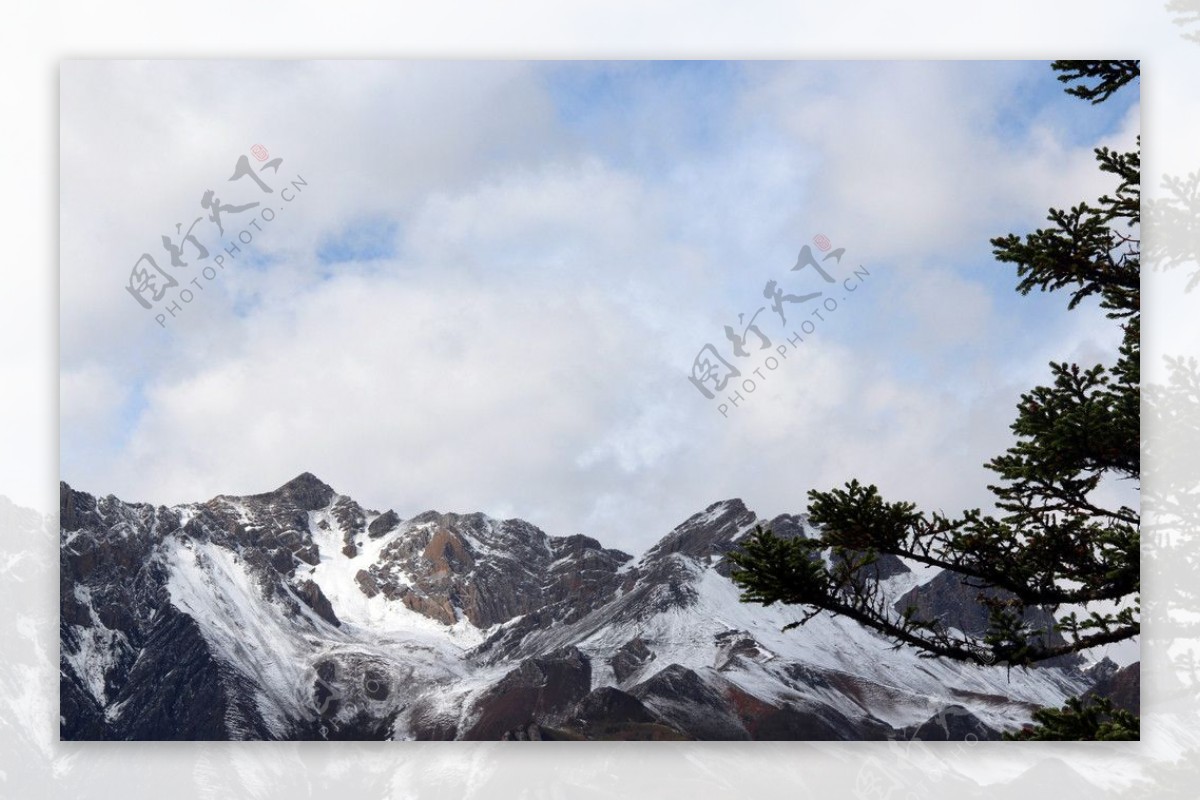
[
  {"x": 1077, "y": 720},
  {"x": 1052, "y": 544}
]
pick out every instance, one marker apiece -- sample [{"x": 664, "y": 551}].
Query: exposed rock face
[
  {"x": 490, "y": 571},
  {"x": 1101, "y": 671},
  {"x": 707, "y": 710},
  {"x": 154, "y": 669},
  {"x": 581, "y": 575},
  {"x": 1123, "y": 687},
  {"x": 684, "y": 700},
  {"x": 350, "y": 698},
  {"x": 814, "y": 721},
  {"x": 82, "y": 716},
  {"x": 179, "y": 691},
  {"x": 664, "y": 578},
  {"x": 543, "y": 689},
  {"x": 950, "y": 599},
  {"x": 783, "y": 526},
  {"x": 735, "y": 646},
  {"x": 884, "y": 566},
  {"x": 708, "y": 535},
  {"x": 111, "y": 595},
  {"x": 383, "y": 524},
  {"x": 300, "y": 614},
  {"x": 305, "y": 491},
  {"x": 630, "y": 658},
  {"x": 607, "y": 713},
  {"x": 954, "y": 723},
  {"x": 310, "y": 592},
  {"x": 610, "y": 706},
  {"x": 352, "y": 520}
]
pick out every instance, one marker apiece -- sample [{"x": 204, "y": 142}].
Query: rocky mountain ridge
[{"x": 300, "y": 614}]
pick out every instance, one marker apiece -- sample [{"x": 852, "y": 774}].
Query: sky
[{"x": 492, "y": 280}]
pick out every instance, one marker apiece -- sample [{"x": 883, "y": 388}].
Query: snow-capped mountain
[{"x": 298, "y": 614}]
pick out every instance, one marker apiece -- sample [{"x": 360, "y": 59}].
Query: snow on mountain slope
[
  {"x": 210, "y": 584},
  {"x": 379, "y": 615},
  {"x": 902, "y": 689},
  {"x": 97, "y": 648},
  {"x": 298, "y": 614},
  {"x": 692, "y": 618}
]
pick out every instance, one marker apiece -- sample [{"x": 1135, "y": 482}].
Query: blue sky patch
[{"x": 366, "y": 240}]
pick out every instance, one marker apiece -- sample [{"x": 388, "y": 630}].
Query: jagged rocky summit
[{"x": 299, "y": 614}]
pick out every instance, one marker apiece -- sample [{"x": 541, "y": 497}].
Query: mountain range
[{"x": 300, "y": 614}]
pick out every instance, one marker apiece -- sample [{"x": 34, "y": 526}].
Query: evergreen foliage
[{"x": 1052, "y": 544}]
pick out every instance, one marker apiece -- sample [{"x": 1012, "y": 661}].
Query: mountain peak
[
  {"x": 306, "y": 491},
  {"x": 709, "y": 532},
  {"x": 465, "y": 626},
  {"x": 735, "y": 505}
]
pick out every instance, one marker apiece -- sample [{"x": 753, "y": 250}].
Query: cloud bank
[{"x": 490, "y": 292}]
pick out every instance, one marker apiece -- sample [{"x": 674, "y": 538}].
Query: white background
[{"x": 36, "y": 36}]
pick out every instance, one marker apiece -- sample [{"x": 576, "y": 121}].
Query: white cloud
[
  {"x": 524, "y": 352},
  {"x": 914, "y": 159}
]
